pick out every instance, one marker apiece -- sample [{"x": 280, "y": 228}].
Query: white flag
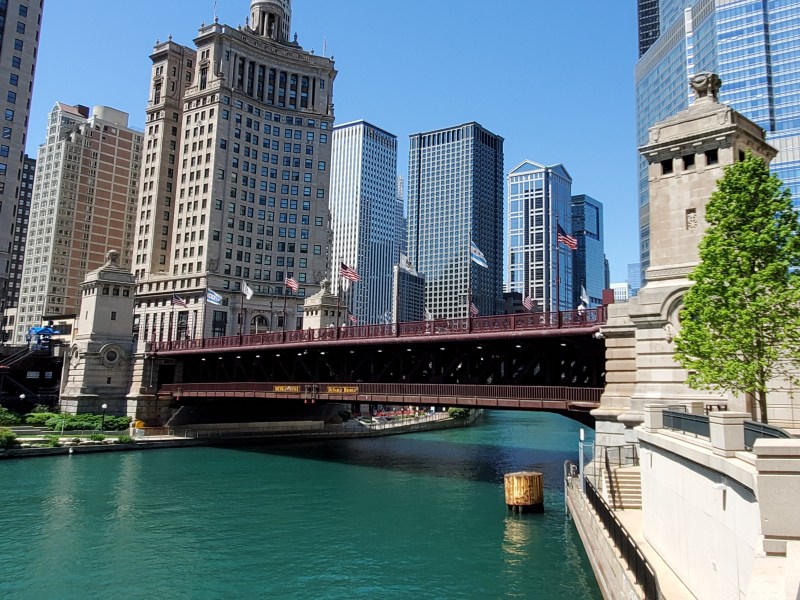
[
  {"x": 247, "y": 290},
  {"x": 584, "y": 296}
]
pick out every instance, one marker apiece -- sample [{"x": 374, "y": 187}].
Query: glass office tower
[
  {"x": 753, "y": 45},
  {"x": 539, "y": 200},
  {"x": 589, "y": 264},
  {"x": 455, "y": 197},
  {"x": 363, "y": 201}
]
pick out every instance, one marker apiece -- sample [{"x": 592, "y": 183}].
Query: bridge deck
[{"x": 571, "y": 323}]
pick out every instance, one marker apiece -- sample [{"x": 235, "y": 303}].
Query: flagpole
[
  {"x": 284, "y": 308},
  {"x": 558, "y": 270}
]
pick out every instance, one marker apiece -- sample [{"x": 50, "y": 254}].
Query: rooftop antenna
[
  {"x": 324, "y": 46},
  {"x": 215, "y": 11}
]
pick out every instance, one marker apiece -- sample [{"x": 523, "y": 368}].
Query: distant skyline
[{"x": 554, "y": 79}]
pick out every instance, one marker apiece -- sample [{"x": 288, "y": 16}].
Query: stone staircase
[{"x": 627, "y": 488}]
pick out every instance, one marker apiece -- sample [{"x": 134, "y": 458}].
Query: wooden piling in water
[{"x": 525, "y": 491}]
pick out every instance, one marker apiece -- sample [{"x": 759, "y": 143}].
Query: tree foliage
[{"x": 740, "y": 325}]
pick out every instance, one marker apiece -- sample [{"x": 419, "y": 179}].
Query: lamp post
[{"x": 103, "y": 418}]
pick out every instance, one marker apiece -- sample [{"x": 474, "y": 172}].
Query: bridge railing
[
  {"x": 396, "y": 391},
  {"x": 573, "y": 319}
]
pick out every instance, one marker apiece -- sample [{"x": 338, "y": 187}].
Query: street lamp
[{"x": 103, "y": 418}]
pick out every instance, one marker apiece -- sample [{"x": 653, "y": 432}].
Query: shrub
[
  {"x": 97, "y": 437},
  {"x": 458, "y": 413},
  {"x": 39, "y": 419},
  {"x": 8, "y": 438},
  {"x": 42, "y": 408},
  {"x": 87, "y": 422},
  {"x": 8, "y": 417},
  {"x": 53, "y": 441},
  {"x": 125, "y": 439}
]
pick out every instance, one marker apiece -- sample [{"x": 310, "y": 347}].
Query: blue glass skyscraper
[
  {"x": 589, "y": 264},
  {"x": 539, "y": 201},
  {"x": 753, "y": 45},
  {"x": 455, "y": 197}
]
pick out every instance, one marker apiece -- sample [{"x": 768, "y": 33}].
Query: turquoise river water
[{"x": 406, "y": 517}]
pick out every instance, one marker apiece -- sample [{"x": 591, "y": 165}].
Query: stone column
[
  {"x": 727, "y": 432},
  {"x": 777, "y": 490}
]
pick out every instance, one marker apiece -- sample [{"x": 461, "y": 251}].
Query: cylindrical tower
[{"x": 271, "y": 19}]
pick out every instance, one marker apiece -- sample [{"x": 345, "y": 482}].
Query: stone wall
[{"x": 615, "y": 580}]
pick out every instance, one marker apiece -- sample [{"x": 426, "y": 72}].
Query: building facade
[
  {"x": 84, "y": 202},
  {"x": 234, "y": 192},
  {"x": 20, "y": 24},
  {"x": 753, "y": 46},
  {"x": 589, "y": 266},
  {"x": 634, "y": 278},
  {"x": 21, "y": 222},
  {"x": 455, "y": 199},
  {"x": 363, "y": 218},
  {"x": 408, "y": 298},
  {"x": 400, "y": 220},
  {"x": 539, "y": 202}
]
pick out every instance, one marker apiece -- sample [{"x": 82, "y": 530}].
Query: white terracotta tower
[{"x": 271, "y": 19}]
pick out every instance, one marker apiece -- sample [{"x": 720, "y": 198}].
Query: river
[{"x": 406, "y": 517}]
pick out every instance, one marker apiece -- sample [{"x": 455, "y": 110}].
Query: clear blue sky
[{"x": 555, "y": 79}]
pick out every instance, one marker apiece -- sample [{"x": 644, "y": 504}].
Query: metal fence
[
  {"x": 643, "y": 572},
  {"x": 754, "y": 431},
  {"x": 687, "y": 423}
]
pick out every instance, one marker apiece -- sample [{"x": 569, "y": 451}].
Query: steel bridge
[{"x": 536, "y": 361}]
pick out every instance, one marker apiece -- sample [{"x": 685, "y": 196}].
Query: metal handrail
[
  {"x": 638, "y": 564},
  {"x": 754, "y": 431},
  {"x": 687, "y": 423},
  {"x": 510, "y": 392}
]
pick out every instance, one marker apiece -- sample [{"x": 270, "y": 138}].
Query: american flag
[
  {"x": 352, "y": 319},
  {"x": 349, "y": 273},
  {"x": 178, "y": 301},
  {"x": 528, "y": 303},
  {"x": 564, "y": 238},
  {"x": 473, "y": 310},
  {"x": 292, "y": 284}
]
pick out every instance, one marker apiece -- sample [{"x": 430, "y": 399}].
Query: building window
[
  {"x": 666, "y": 166},
  {"x": 712, "y": 156}
]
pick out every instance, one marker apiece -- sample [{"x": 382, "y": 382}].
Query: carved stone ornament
[
  {"x": 112, "y": 258},
  {"x": 706, "y": 85}
]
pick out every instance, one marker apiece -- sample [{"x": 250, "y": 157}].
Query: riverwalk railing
[
  {"x": 687, "y": 423},
  {"x": 643, "y": 572},
  {"x": 754, "y": 431},
  {"x": 700, "y": 426}
]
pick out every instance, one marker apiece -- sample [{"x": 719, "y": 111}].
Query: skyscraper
[
  {"x": 455, "y": 199},
  {"x": 400, "y": 220},
  {"x": 634, "y": 278},
  {"x": 589, "y": 266},
  {"x": 21, "y": 222},
  {"x": 363, "y": 212},
  {"x": 84, "y": 202},
  {"x": 752, "y": 46},
  {"x": 234, "y": 192},
  {"x": 540, "y": 266},
  {"x": 20, "y": 23}
]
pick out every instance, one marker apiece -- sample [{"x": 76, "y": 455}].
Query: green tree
[{"x": 740, "y": 325}]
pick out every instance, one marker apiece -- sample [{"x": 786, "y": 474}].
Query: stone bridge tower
[{"x": 687, "y": 154}]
